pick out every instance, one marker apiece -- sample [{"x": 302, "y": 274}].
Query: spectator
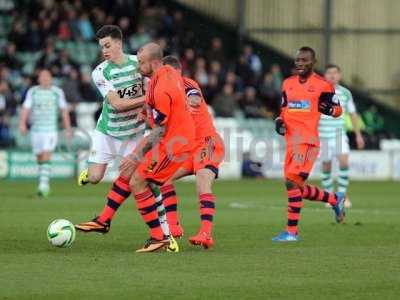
[
  {"x": 48, "y": 58},
  {"x": 225, "y": 104},
  {"x": 64, "y": 64},
  {"x": 270, "y": 95},
  {"x": 188, "y": 61},
  {"x": 34, "y": 38},
  {"x": 71, "y": 87},
  {"x": 201, "y": 74},
  {"x": 139, "y": 38},
  {"x": 211, "y": 90},
  {"x": 277, "y": 77},
  {"x": 85, "y": 27},
  {"x": 9, "y": 57},
  {"x": 86, "y": 89},
  {"x": 216, "y": 52},
  {"x": 17, "y": 35},
  {"x": 234, "y": 80},
  {"x": 253, "y": 60},
  {"x": 8, "y": 105},
  {"x": 244, "y": 71},
  {"x": 374, "y": 123},
  {"x": 251, "y": 105}
]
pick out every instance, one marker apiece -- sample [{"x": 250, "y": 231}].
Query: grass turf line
[{"x": 357, "y": 260}]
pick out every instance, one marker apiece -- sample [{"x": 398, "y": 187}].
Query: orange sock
[
  {"x": 313, "y": 193},
  {"x": 207, "y": 211},
  {"x": 116, "y": 196},
  {"x": 146, "y": 204},
  {"x": 295, "y": 203}
]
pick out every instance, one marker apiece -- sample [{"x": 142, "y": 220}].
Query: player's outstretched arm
[{"x": 124, "y": 104}]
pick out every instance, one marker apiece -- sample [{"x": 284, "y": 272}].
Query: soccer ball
[{"x": 61, "y": 233}]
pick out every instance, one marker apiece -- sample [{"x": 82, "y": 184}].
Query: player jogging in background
[
  {"x": 169, "y": 143},
  {"x": 42, "y": 105},
  {"x": 332, "y": 134},
  {"x": 204, "y": 163},
  {"x": 118, "y": 128},
  {"x": 304, "y": 97}
]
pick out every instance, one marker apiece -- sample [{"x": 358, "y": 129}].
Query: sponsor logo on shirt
[{"x": 299, "y": 106}]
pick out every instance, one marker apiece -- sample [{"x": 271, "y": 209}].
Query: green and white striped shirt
[
  {"x": 330, "y": 127},
  {"x": 44, "y": 104},
  {"x": 126, "y": 80}
]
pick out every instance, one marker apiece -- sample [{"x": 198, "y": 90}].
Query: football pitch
[{"x": 356, "y": 260}]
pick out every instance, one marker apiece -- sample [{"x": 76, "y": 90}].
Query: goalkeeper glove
[{"x": 280, "y": 127}]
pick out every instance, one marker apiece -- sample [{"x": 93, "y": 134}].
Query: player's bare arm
[
  {"x": 66, "y": 122},
  {"x": 124, "y": 104},
  {"x": 359, "y": 139},
  {"x": 131, "y": 161},
  {"x": 23, "y": 120}
]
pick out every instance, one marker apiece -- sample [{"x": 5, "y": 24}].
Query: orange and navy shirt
[
  {"x": 166, "y": 101},
  {"x": 300, "y": 102},
  {"x": 203, "y": 122}
]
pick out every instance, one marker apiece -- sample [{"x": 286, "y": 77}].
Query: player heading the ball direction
[{"x": 305, "y": 96}]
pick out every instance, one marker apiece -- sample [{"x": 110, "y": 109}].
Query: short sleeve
[
  {"x": 62, "y": 102},
  {"x": 103, "y": 85},
  {"x": 28, "y": 99},
  {"x": 351, "y": 107}
]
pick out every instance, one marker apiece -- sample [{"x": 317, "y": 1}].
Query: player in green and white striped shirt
[
  {"x": 42, "y": 104},
  {"x": 118, "y": 129},
  {"x": 332, "y": 133}
]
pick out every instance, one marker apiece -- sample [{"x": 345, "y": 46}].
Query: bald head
[
  {"x": 152, "y": 50},
  {"x": 150, "y": 58}
]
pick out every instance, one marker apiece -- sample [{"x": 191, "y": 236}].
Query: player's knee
[
  {"x": 95, "y": 178},
  {"x": 137, "y": 182}
]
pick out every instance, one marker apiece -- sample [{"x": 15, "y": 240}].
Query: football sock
[
  {"x": 170, "y": 201},
  {"x": 343, "y": 180},
  {"x": 327, "y": 181},
  {"x": 162, "y": 215},
  {"x": 207, "y": 211},
  {"x": 146, "y": 204},
  {"x": 44, "y": 174},
  {"x": 295, "y": 203},
  {"x": 120, "y": 190},
  {"x": 313, "y": 193}
]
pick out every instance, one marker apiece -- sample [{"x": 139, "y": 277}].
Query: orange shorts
[
  {"x": 299, "y": 161},
  {"x": 157, "y": 166},
  {"x": 208, "y": 154}
]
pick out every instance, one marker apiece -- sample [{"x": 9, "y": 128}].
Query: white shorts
[
  {"x": 43, "y": 141},
  {"x": 333, "y": 147},
  {"x": 106, "y": 149}
]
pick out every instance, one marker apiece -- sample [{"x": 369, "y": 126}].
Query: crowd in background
[{"x": 60, "y": 35}]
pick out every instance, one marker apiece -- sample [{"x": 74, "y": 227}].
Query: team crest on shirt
[{"x": 299, "y": 105}]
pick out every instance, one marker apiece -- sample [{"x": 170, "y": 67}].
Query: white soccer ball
[{"x": 61, "y": 233}]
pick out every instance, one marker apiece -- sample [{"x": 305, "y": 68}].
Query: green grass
[{"x": 357, "y": 260}]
